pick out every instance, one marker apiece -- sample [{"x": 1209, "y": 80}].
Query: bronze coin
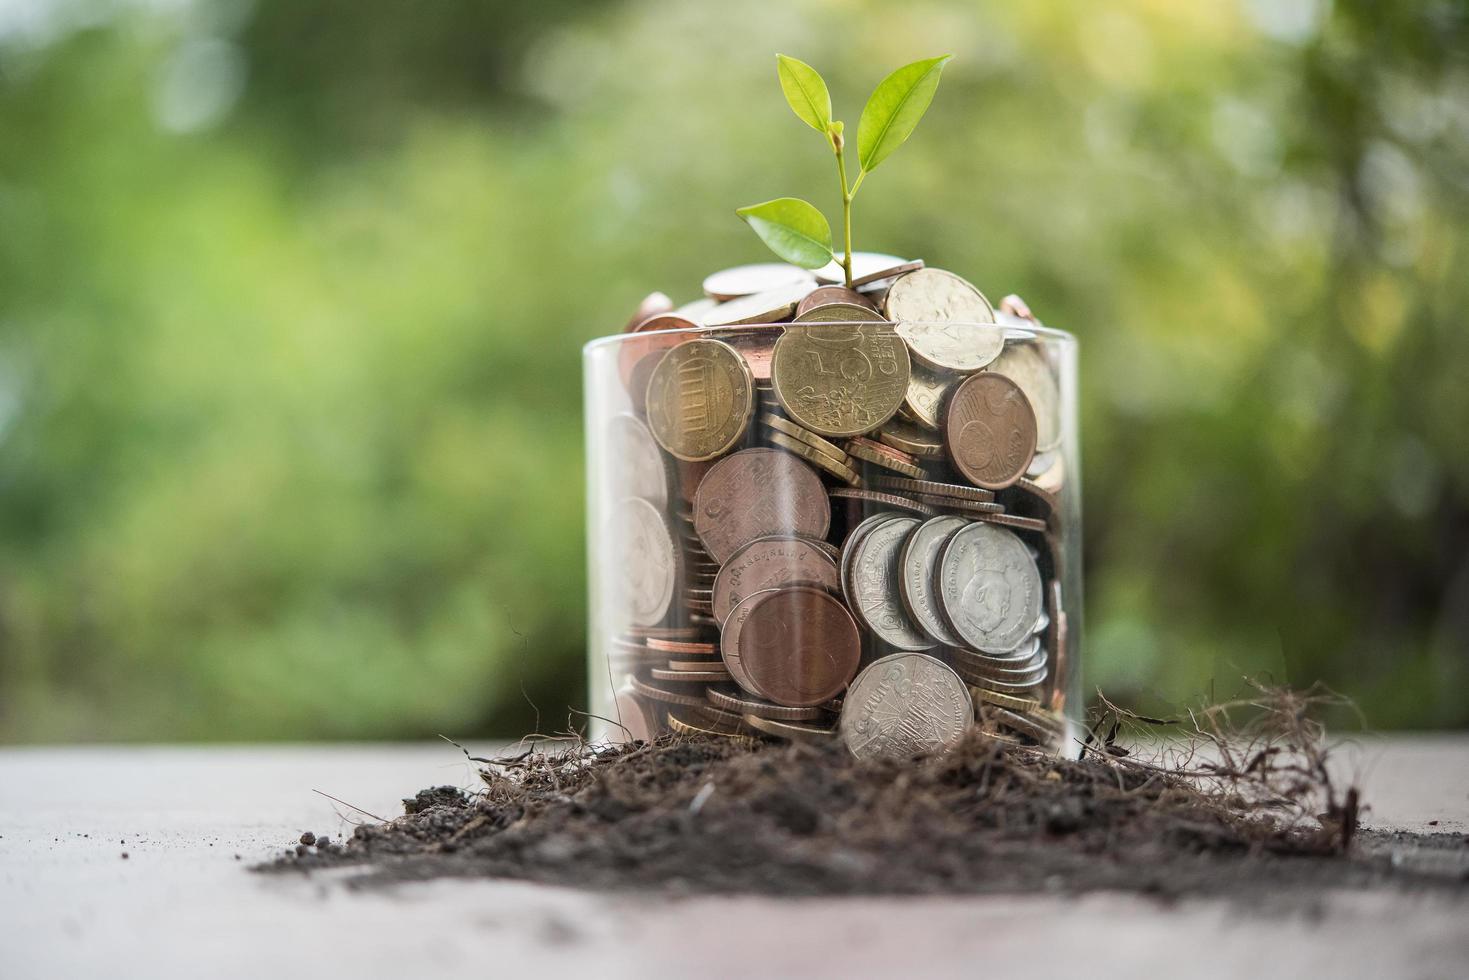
[
  {"x": 822, "y": 295},
  {"x": 729, "y": 639},
  {"x": 990, "y": 430},
  {"x": 755, "y": 493},
  {"x": 800, "y": 647},
  {"x": 769, "y": 563},
  {"x": 764, "y": 709},
  {"x": 839, "y": 313},
  {"x": 700, "y": 400},
  {"x": 790, "y": 731},
  {"x": 681, "y": 646},
  {"x": 654, "y": 304}
]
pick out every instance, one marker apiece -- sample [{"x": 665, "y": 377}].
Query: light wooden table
[{"x": 181, "y": 905}]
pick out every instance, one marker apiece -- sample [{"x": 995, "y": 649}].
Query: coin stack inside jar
[{"x": 835, "y": 513}]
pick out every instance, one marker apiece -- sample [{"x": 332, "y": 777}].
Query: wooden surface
[{"x": 182, "y": 905}]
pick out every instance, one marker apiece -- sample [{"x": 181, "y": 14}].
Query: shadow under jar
[{"x": 865, "y": 531}]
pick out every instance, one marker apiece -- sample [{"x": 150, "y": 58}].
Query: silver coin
[
  {"x": 917, "y": 571},
  {"x": 903, "y": 705},
  {"x": 863, "y": 264},
  {"x": 853, "y": 538},
  {"x": 1028, "y": 657},
  {"x": 989, "y": 588},
  {"x": 640, "y": 469},
  {"x": 645, "y": 564},
  {"x": 770, "y": 306},
  {"x": 946, "y": 322},
  {"x": 874, "y": 579},
  {"x": 760, "y": 277},
  {"x": 695, "y": 310},
  {"x": 1026, "y": 365}
]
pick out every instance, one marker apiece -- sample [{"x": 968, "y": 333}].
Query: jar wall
[{"x": 763, "y": 526}]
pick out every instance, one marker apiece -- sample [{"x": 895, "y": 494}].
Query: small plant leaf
[
  {"x": 793, "y": 229},
  {"x": 805, "y": 91},
  {"x": 895, "y": 107}
]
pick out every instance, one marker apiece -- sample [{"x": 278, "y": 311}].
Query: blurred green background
[{"x": 291, "y": 297}]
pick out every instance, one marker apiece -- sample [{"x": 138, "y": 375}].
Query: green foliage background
[{"x": 291, "y": 297}]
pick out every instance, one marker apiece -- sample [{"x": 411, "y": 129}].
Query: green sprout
[{"x": 794, "y": 229}]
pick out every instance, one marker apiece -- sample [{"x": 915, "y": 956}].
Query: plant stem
[{"x": 846, "y": 210}]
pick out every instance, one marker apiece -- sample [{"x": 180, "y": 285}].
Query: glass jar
[{"x": 853, "y": 530}]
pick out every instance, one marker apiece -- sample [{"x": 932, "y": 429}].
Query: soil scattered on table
[{"x": 688, "y": 815}]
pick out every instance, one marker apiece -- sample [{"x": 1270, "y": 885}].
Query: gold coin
[
  {"x": 944, "y": 320},
  {"x": 871, "y": 455},
  {"x": 835, "y": 467},
  {"x": 1010, "y": 701},
  {"x": 840, "y": 380},
  {"x": 911, "y": 439},
  {"x": 700, "y": 399},
  {"x": 809, "y": 438},
  {"x": 927, "y": 390},
  {"x": 789, "y": 730}
]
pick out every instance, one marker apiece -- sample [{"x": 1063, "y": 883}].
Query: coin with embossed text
[
  {"x": 990, "y": 430},
  {"x": 1025, "y": 364},
  {"x": 904, "y": 705},
  {"x": 918, "y": 564},
  {"x": 872, "y": 581},
  {"x": 755, "y": 493},
  {"x": 645, "y": 564},
  {"x": 840, "y": 379},
  {"x": 768, "y": 563},
  {"x": 989, "y": 588},
  {"x": 700, "y": 399}
]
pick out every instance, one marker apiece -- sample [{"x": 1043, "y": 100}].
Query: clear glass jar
[{"x": 764, "y": 526}]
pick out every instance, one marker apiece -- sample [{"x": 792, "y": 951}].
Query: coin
[
  {"x": 885, "y": 499},
  {"x": 789, "y": 730},
  {"x": 690, "y": 676},
  {"x": 662, "y": 694},
  {"x": 873, "y": 586},
  {"x": 747, "y": 280},
  {"x": 1005, "y": 700},
  {"x": 700, "y": 400},
  {"x": 799, "y": 646},
  {"x": 681, "y": 646},
  {"x": 854, "y": 537},
  {"x": 755, "y": 493},
  {"x": 840, "y": 380},
  {"x": 840, "y": 313},
  {"x": 927, "y": 391},
  {"x": 989, "y": 588},
  {"x": 817, "y": 458},
  {"x": 976, "y": 507},
  {"x": 885, "y": 456},
  {"x": 811, "y": 439},
  {"x": 904, "y": 705},
  {"x": 990, "y": 430},
  {"x": 645, "y": 563},
  {"x": 1015, "y": 306},
  {"x": 685, "y": 726},
  {"x": 917, "y": 570},
  {"x": 879, "y": 278},
  {"x": 863, "y": 264},
  {"x": 1027, "y": 725},
  {"x": 763, "y": 709},
  {"x": 654, "y": 304},
  {"x": 729, "y": 639},
  {"x": 638, "y": 468},
  {"x": 637, "y": 722},
  {"x": 934, "y": 488},
  {"x": 822, "y": 295},
  {"x": 771, "y": 306},
  {"x": 1013, "y": 520},
  {"x": 1026, "y": 365},
  {"x": 946, "y": 322},
  {"x": 696, "y": 310},
  {"x": 772, "y": 562},
  {"x": 911, "y": 439}
]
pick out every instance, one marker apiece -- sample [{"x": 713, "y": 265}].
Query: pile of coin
[{"x": 825, "y": 512}]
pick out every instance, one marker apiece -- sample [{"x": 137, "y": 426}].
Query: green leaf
[
  {"x": 805, "y": 91},
  {"x": 896, "y": 105},
  {"x": 793, "y": 229}
]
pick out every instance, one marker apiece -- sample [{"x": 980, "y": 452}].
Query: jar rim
[{"x": 1012, "y": 331}]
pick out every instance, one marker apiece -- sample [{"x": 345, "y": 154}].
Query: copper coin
[
  {"x": 1015, "y": 306},
  {"x": 654, "y": 304},
  {"x": 763, "y": 709},
  {"x": 822, "y": 295},
  {"x": 769, "y": 563},
  {"x": 800, "y": 647},
  {"x": 729, "y": 639},
  {"x": 864, "y": 266},
  {"x": 633, "y": 717},
  {"x": 681, "y": 646},
  {"x": 790, "y": 731},
  {"x": 755, "y": 493},
  {"x": 990, "y": 430},
  {"x": 839, "y": 313},
  {"x": 703, "y": 663},
  {"x": 877, "y": 276}
]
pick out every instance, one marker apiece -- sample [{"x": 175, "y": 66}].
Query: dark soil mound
[{"x": 717, "y": 815}]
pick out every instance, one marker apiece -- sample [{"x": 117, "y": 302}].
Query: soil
[{"x": 706, "y": 815}]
